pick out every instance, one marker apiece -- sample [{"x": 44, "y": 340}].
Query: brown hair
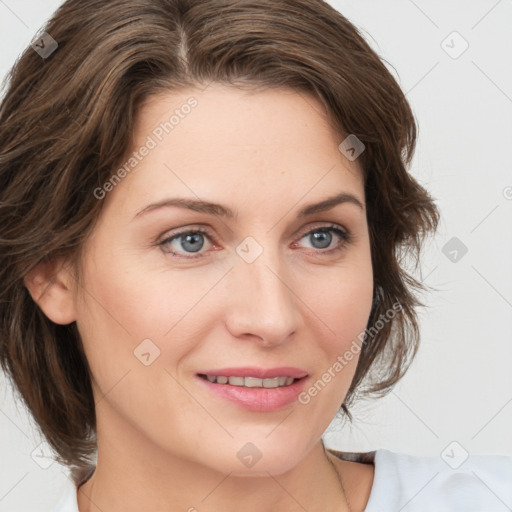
[{"x": 66, "y": 122}]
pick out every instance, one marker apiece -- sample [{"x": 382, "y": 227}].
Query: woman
[{"x": 204, "y": 206}]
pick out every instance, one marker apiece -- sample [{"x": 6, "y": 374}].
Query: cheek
[
  {"x": 123, "y": 307},
  {"x": 343, "y": 302},
  {"x": 342, "y": 307},
  {"x": 347, "y": 312}
]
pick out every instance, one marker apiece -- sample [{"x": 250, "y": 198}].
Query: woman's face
[{"x": 268, "y": 292}]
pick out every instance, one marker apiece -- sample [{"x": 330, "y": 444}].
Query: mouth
[
  {"x": 255, "y": 389},
  {"x": 250, "y": 382}
]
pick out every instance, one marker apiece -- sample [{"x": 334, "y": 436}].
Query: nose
[{"x": 262, "y": 303}]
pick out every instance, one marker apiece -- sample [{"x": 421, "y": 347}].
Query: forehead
[{"x": 223, "y": 142}]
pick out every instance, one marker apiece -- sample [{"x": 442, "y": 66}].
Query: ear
[{"x": 49, "y": 284}]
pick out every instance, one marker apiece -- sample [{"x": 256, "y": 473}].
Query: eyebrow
[{"x": 209, "y": 208}]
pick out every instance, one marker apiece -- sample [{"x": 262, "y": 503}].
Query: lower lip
[{"x": 257, "y": 399}]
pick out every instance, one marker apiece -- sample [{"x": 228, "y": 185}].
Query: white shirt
[{"x": 416, "y": 483}]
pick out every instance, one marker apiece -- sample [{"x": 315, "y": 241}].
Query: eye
[
  {"x": 321, "y": 238},
  {"x": 192, "y": 241}
]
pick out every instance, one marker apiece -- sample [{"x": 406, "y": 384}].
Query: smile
[{"x": 250, "y": 382}]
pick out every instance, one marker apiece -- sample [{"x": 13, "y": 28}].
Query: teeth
[
  {"x": 251, "y": 382},
  {"x": 236, "y": 381},
  {"x": 270, "y": 383}
]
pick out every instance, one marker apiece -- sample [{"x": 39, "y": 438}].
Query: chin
[{"x": 260, "y": 458}]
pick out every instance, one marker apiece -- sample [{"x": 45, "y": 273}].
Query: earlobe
[{"x": 49, "y": 285}]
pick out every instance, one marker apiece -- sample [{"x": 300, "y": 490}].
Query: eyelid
[
  {"x": 183, "y": 231},
  {"x": 322, "y": 225}
]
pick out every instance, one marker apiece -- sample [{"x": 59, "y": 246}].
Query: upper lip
[{"x": 259, "y": 373}]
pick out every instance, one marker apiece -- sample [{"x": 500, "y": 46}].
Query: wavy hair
[{"x": 66, "y": 122}]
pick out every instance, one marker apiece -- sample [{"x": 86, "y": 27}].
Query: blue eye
[
  {"x": 192, "y": 241},
  {"x": 323, "y": 236}
]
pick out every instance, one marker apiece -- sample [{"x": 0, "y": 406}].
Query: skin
[{"x": 165, "y": 443}]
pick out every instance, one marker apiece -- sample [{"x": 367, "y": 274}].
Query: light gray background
[{"x": 460, "y": 386}]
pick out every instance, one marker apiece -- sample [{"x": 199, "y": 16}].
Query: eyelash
[{"x": 345, "y": 236}]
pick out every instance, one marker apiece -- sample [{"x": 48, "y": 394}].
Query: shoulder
[
  {"x": 417, "y": 483},
  {"x": 67, "y": 501},
  {"x": 68, "y": 498}
]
